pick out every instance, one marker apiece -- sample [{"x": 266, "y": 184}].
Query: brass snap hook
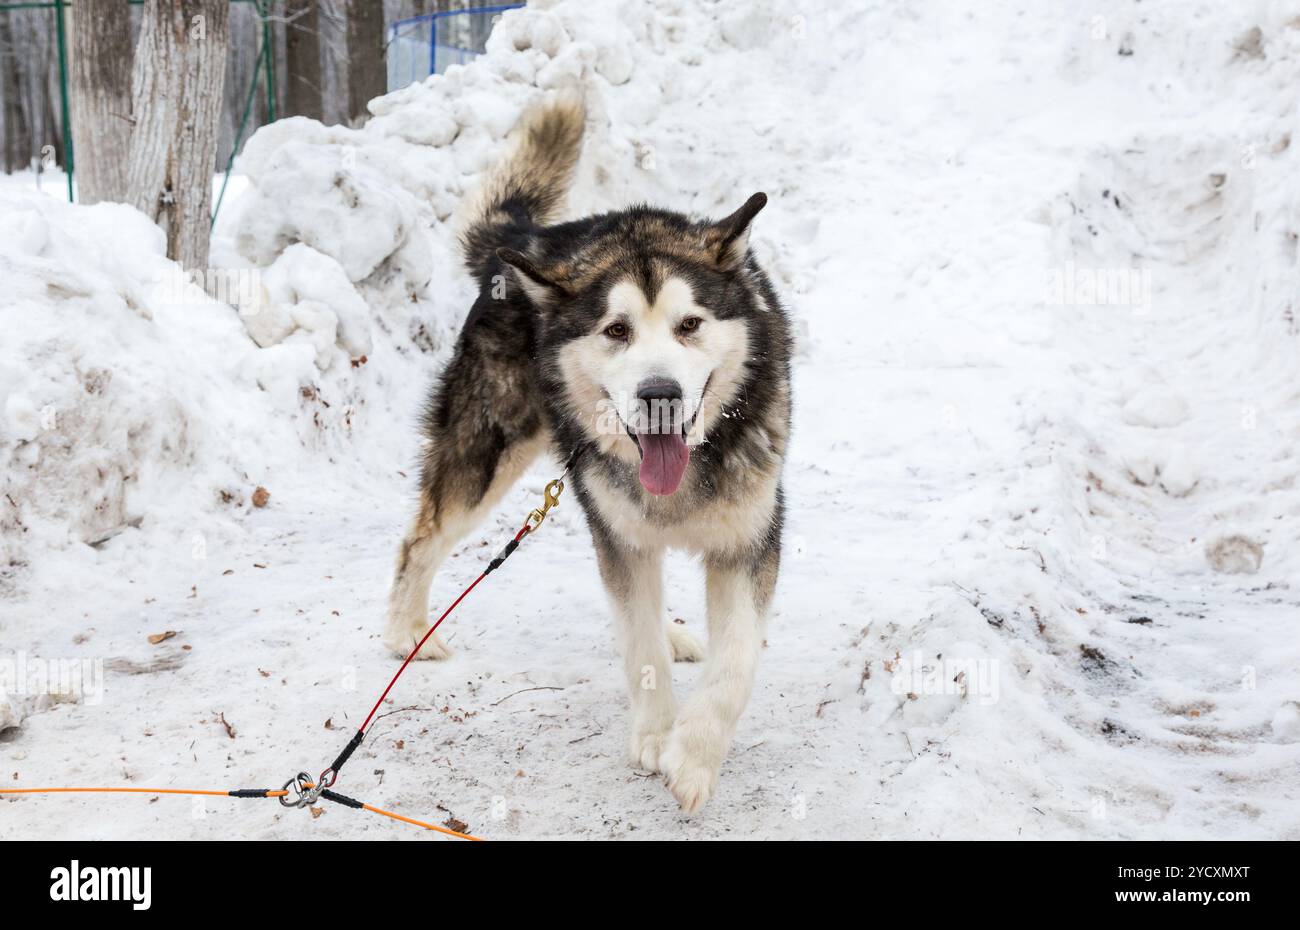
[{"x": 550, "y": 498}]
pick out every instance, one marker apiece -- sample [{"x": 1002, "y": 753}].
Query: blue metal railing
[{"x": 423, "y": 45}]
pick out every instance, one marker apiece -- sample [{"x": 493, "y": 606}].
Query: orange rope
[
  {"x": 534, "y": 520},
  {"x": 421, "y": 823},
  {"x": 222, "y": 794},
  {"x": 226, "y": 794}
]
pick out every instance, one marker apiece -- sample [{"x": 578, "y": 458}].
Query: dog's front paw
[
  {"x": 690, "y": 764},
  {"x": 402, "y": 641}
]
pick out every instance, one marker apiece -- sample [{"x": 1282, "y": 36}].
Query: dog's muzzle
[{"x": 659, "y": 427}]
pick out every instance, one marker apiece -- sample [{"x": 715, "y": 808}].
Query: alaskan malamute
[{"x": 649, "y": 349}]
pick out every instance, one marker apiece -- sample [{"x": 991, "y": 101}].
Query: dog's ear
[
  {"x": 728, "y": 239},
  {"x": 543, "y": 288}
]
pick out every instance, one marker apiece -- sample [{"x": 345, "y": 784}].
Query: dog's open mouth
[{"x": 661, "y": 440}]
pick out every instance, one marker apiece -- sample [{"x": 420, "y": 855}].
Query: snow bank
[
  {"x": 119, "y": 386},
  {"x": 130, "y": 399}
]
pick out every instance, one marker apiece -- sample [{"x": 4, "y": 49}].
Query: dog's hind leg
[
  {"x": 686, "y": 648},
  {"x": 634, "y": 581},
  {"x": 450, "y": 506}
]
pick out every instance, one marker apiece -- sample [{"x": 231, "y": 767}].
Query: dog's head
[{"x": 644, "y": 325}]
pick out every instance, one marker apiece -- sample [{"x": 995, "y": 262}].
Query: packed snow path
[{"x": 1014, "y": 490}]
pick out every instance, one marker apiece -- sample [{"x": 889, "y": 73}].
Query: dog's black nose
[
  {"x": 659, "y": 389},
  {"x": 660, "y": 400}
]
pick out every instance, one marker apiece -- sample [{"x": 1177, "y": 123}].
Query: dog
[{"x": 649, "y": 350}]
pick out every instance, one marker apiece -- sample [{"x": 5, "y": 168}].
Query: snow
[
  {"x": 1041, "y": 545},
  {"x": 307, "y": 293}
]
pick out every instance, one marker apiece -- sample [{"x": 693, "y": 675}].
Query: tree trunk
[
  {"x": 100, "y": 92},
  {"x": 367, "y": 73},
  {"x": 302, "y": 58},
  {"x": 18, "y": 131},
  {"x": 179, "y": 73}
]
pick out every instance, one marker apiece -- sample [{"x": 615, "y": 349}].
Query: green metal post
[
  {"x": 265, "y": 11},
  {"x": 239, "y": 134},
  {"x": 63, "y": 94}
]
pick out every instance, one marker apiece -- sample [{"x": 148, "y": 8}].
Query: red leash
[
  {"x": 473, "y": 584},
  {"x": 302, "y": 788}
]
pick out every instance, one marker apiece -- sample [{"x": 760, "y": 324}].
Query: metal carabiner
[
  {"x": 303, "y": 790},
  {"x": 550, "y": 498}
]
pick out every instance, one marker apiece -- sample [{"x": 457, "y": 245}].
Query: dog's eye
[
  {"x": 689, "y": 325},
  {"x": 616, "y": 331}
]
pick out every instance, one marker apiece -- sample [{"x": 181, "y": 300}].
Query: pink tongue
[{"x": 663, "y": 461}]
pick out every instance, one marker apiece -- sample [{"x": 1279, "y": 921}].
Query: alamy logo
[
  {"x": 77, "y": 883},
  {"x": 1099, "y": 287},
  {"x": 951, "y": 675},
  {"x": 82, "y": 679}
]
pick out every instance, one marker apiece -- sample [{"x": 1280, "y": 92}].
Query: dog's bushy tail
[{"x": 528, "y": 187}]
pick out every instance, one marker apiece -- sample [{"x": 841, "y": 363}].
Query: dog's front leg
[
  {"x": 702, "y": 733},
  {"x": 634, "y": 581}
]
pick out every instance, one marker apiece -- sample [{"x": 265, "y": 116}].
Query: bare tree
[
  {"x": 367, "y": 73},
  {"x": 18, "y": 131},
  {"x": 100, "y": 97},
  {"x": 302, "y": 58},
  {"x": 176, "y": 93}
]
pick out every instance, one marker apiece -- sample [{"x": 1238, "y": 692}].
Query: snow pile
[
  {"x": 323, "y": 187},
  {"x": 131, "y": 399},
  {"x": 307, "y": 296},
  {"x": 118, "y": 388}
]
